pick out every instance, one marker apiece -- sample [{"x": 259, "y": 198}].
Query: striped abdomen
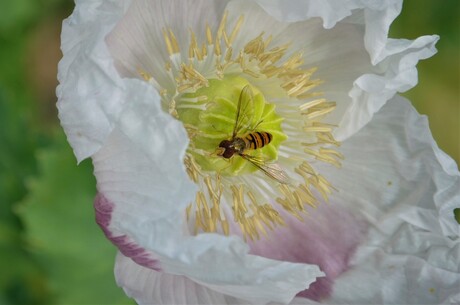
[{"x": 257, "y": 139}]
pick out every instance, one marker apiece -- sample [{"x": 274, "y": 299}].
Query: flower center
[
  {"x": 222, "y": 112},
  {"x": 254, "y": 125}
]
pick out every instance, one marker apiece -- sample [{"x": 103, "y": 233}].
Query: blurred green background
[{"x": 51, "y": 251}]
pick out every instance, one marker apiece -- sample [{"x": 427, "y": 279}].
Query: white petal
[
  {"x": 147, "y": 286},
  {"x": 256, "y": 21},
  {"x": 394, "y": 60},
  {"x": 415, "y": 276},
  {"x": 338, "y": 53},
  {"x": 398, "y": 178},
  {"x": 137, "y": 42},
  {"x": 371, "y": 91},
  {"x": 402, "y": 167},
  {"x": 331, "y": 11},
  {"x": 378, "y": 16},
  {"x": 91, "y": 95},
  {"x": 140, "y": 171}
]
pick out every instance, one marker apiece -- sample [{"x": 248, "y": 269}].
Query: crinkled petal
[
  {"x": 394, "y": 59},
  {"x": 411, "y": 267},
  {"x": 331, "y": 11},
  {"x": 396, "y": 176},
  {"x": 371, "y": 91},
  {"x": 148, "y": 201},
  {"x": 394, "y": 163},
  {"x": 376, "y": 15},
  {"x": 91, "y": 93},
  {"x": 147, "y": 286}
]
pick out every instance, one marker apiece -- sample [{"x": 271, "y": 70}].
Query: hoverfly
[{"x": 241, "y": 144}]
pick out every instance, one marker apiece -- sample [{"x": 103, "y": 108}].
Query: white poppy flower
[{"x": 214, "y": 131}]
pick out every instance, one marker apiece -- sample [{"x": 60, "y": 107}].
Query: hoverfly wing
[
  {"x": 272, "y": 170},
  {"x": 244, "y": 110}
]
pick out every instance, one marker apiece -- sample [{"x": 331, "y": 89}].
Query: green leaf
[
  {"x": 457, "y": 215},
  {"x": 15, "y": 13},
  {"x": 59, "y": 218},
  {"x": 21, "y": 278},
  {"x": 22, "y": 281}
]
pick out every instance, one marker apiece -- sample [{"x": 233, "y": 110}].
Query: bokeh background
[{"x": 51, "y": 251}]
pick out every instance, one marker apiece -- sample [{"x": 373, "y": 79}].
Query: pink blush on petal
[
  {"x": 328, "y": 237},
  {"x": 125, "y": 244}
]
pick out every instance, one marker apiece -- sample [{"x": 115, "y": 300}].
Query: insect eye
[{"x": 223, "y": 144}]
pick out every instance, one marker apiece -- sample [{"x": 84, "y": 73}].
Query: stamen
[
  {"x": 257, "y": 218},
  {"x": 175, "y": 44},
  {"x": 168, "y": 42},
  {"x": 251, "y": 73},
  {"x": 236, "y": 29},
  {"x": 272, "y": 56},
  {"x": 222, "y": 24},
  {"x": 217, "y": 49},
  {"x": 190, "y": 79},
  {"x": 319, "y": 110},
  {"x": 226, "y": 39},
  {"x": 145, "y": 75},
  {"x": 327, "y": 138},
  {"x": 172, "y": 108},
  {"x": 331, "y": 152},
  {"x": 204, "y": 50},
  {"x": 314, "y": 128},
  {"x": 228, "y": 55},
  {"x": 187, "y": 211},
  {"x": 322, "y": 185},
  {"x": 239, "y": 207},
  {"x": 323, "y": 156},
  {"x": 194, "y": 51},
  {"x": 193, "y": 169},
  {"x": 296, "y": 61},
  {"x": 255, "y": 47}
]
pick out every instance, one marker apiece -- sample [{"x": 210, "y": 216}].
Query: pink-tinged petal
[
  {"x": 327, "y": 237},
  {"x": 411, "y": 254},
  {"x": 126, "y": 245},
  {"x": 398, "y": 179}
]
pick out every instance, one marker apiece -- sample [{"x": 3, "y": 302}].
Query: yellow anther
[
  {"x": 222, "y": 24},
  {"x": 236, "y": 29},
  {"x": 209, "y": 35},
  {"x": 169, "y": 46}
]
